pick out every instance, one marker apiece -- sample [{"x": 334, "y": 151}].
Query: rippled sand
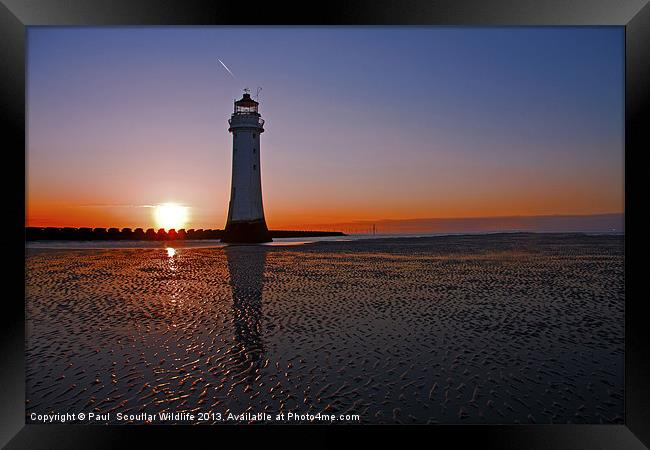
[{"x": 458, "y": 329}]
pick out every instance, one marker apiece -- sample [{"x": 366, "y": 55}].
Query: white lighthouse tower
[{"x": 246, "y": 221}]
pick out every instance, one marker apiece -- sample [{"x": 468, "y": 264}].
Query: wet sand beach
[{"x": 504, "y": 328}]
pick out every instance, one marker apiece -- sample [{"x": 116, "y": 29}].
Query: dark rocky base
[
  {"x": 127, "y": 234},
  {"x": 246, "y": 232}
]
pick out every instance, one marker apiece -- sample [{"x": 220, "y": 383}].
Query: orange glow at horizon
[
  {"x": 300, "y": 198},
  {"x": 296, "y": 214}
]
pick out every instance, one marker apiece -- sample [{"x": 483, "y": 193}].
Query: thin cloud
[{"x": 115, "y": 206}]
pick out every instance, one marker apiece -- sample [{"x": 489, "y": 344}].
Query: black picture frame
[{"x": 16, "y": 15}]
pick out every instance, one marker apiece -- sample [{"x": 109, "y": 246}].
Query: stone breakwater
[
  {"x": 459, "y": 329},
  {"x": 139, "y": 234}
]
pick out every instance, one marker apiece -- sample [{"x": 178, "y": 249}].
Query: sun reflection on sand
[{"x": 172, "y": 259}]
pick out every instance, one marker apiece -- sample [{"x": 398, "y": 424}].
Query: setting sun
[{"x": 171, "y": 215}]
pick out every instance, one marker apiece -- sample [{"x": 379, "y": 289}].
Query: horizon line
[
  {"x": 510, "y": 216},
  {"x": 371, "y": 221}
]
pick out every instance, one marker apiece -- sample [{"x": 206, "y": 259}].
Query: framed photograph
[{"x": 369, "y": 217}]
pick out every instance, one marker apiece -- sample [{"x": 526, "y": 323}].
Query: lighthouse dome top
[{"x": 246, "y": 105}]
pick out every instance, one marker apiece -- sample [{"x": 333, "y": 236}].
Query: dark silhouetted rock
[
  {"x": 85, "y": 234},
  {"x": 69, "y": 233},
  {"x": 213, "y": 234},
  {"x": 52, "y": 233},
  {"x": 33, "y": 233}
]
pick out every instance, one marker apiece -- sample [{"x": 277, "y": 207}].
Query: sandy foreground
[{"x": 512, "y": 328}]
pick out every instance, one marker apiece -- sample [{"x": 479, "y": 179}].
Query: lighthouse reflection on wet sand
[{"x": 246, "y": 223}]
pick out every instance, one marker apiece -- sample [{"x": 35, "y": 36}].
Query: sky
[{"x": 362, "y": 123}]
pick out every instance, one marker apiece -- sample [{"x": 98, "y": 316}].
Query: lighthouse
[{"x": 246, "y": 223}]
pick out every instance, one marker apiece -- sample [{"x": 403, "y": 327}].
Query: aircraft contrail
[{"x": 226, "y": 67}]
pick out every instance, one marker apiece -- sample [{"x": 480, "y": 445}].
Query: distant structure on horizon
[{"x": 246, "y": 223}]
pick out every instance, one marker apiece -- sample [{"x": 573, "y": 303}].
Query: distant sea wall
[
  {"x": 540, "y": 224},
  {"x": 139, "y": 234}
]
